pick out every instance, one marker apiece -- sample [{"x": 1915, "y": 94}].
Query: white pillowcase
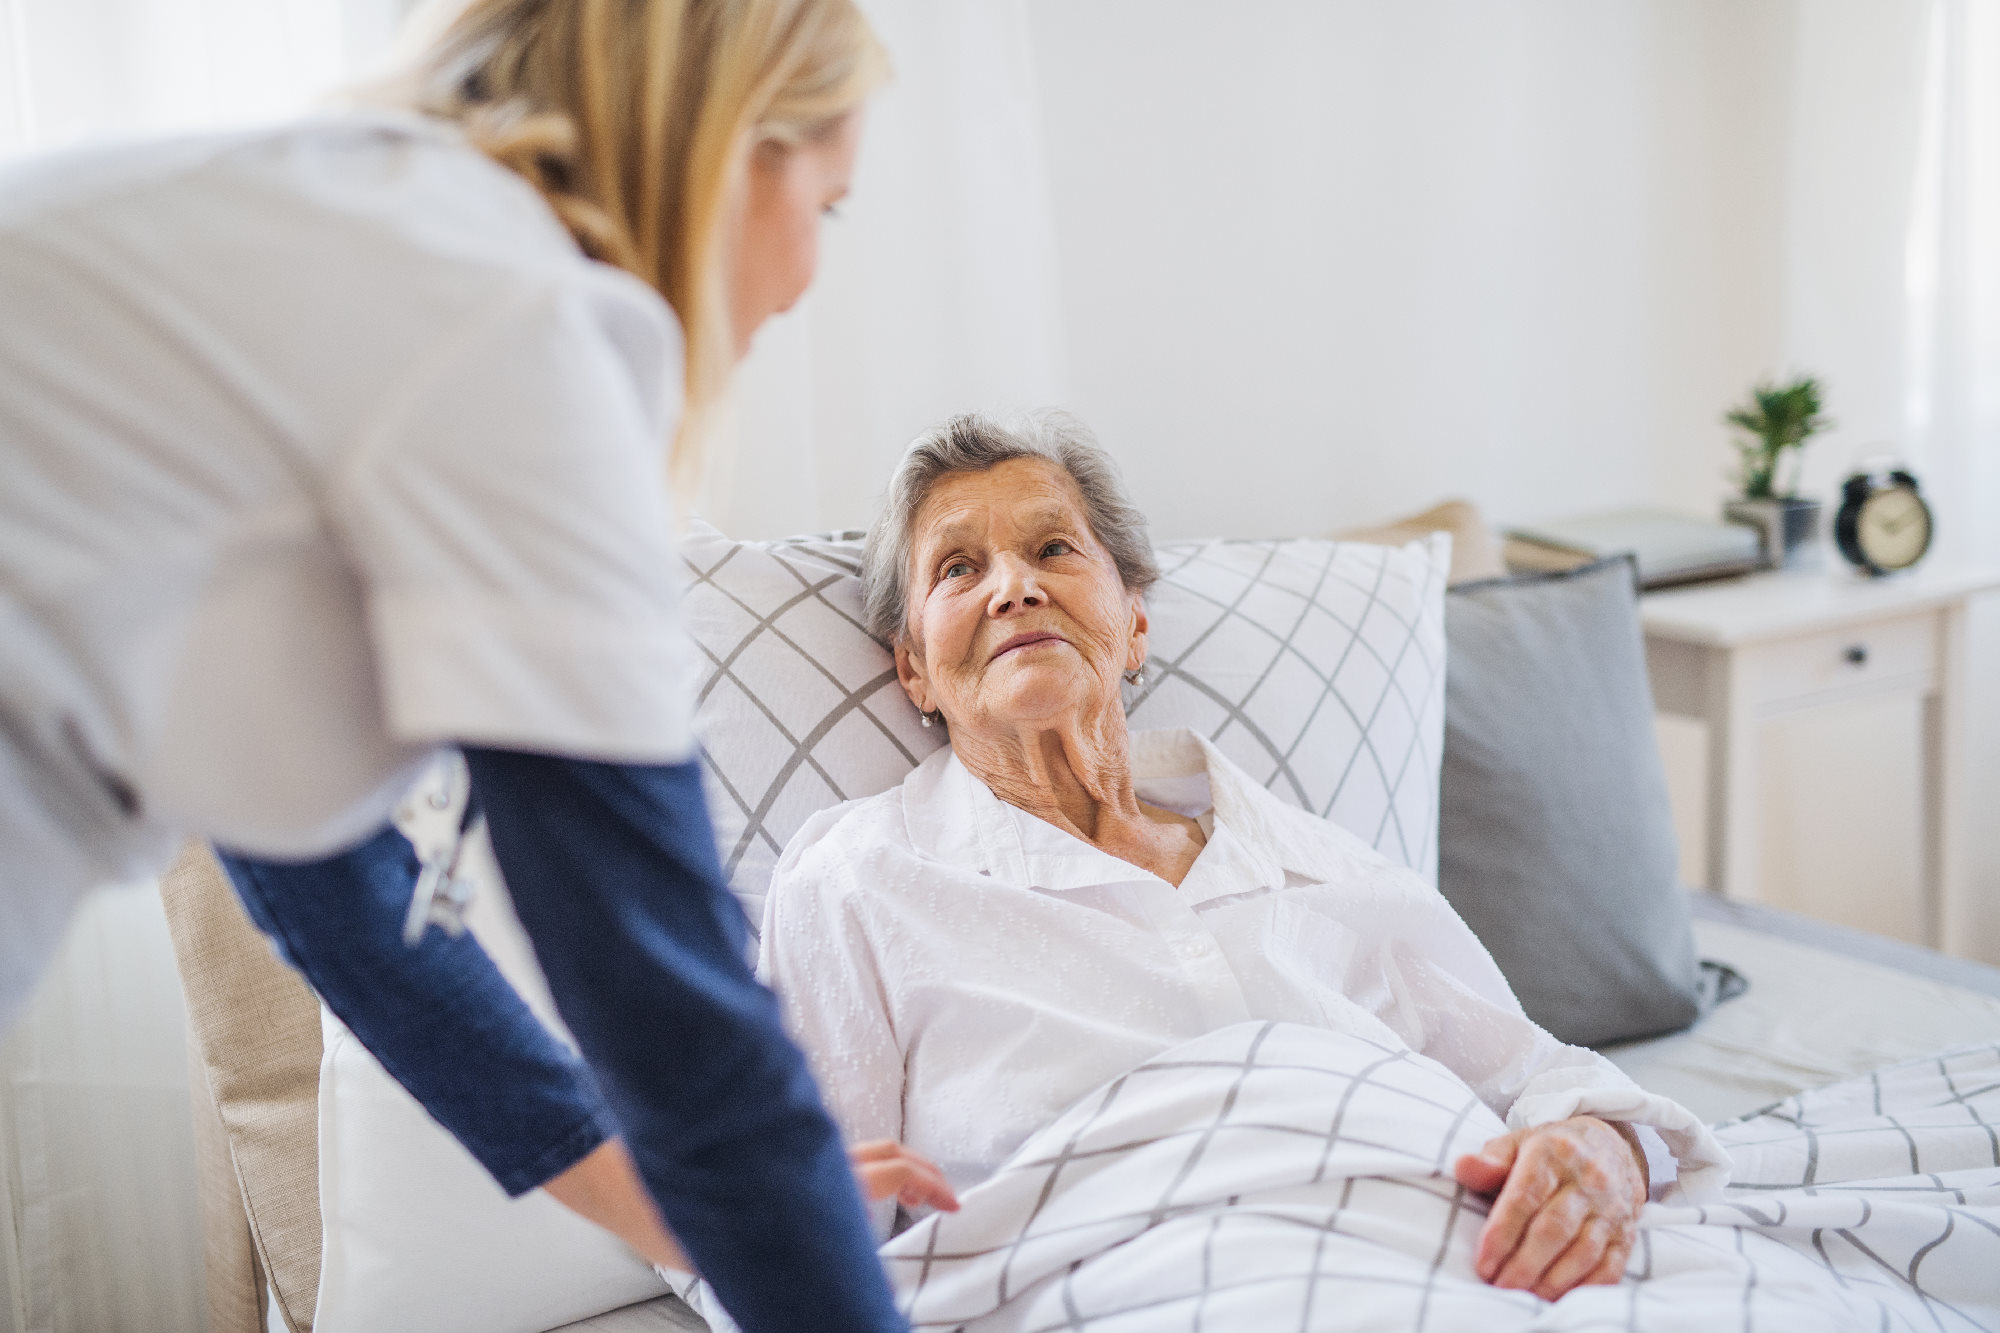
[
  {"x": 1316, "y": 665},
  {"x": 798, "y": 707}
]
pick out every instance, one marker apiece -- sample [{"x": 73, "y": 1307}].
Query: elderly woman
[{"x": 1053, "y": 899}]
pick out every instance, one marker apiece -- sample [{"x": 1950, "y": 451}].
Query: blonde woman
[{"x": 325, "y": 446}]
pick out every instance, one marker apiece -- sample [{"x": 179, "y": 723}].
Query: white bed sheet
[{"x": 1810, "y": 1016}]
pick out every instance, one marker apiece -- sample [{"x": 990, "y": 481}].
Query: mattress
[{"x": 1822, "y": 1003}]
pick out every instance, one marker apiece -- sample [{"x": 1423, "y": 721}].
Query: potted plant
[{"x": 1778, "y": 420}]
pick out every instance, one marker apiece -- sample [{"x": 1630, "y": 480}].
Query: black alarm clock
[{"x": 1883, "y": 524}]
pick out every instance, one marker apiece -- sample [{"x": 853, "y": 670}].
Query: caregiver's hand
[
  {"x": 885, "y": 1167},
  {"x": 1570, "y": 1194},
  {"x": 605, "y": 1187}
]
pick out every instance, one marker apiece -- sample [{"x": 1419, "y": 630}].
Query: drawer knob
[{"x": 1856, "y": 654}]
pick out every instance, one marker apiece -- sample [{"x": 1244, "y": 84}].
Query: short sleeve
[{"x": 509, "y": 515}]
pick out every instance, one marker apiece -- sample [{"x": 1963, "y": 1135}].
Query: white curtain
[
  {"x": 1953, "y": 408},
  {"x": 74, "y": 70},
  {"x": 1891, "y": 289},
  {"x": 99, "y": 1227},
  {"x": 101, "y": 1231}
]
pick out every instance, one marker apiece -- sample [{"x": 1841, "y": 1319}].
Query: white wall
[
  {"x": 1306, "y": 264},
  {"x": 1354, "y": 256},
  {"x": 1323, "y": 262},
  {"x": 1372, "y": 254},
  {"x": 1369, "y": 254}
]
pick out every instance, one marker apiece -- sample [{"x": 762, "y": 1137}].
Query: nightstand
[{"x": 1840, "y": 699}]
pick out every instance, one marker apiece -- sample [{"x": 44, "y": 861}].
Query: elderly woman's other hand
[
  {"x": 1568, "y": 1205},
  {"x": 885, "y": 1167}
]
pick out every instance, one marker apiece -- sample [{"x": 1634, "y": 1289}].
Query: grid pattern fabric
[
  {"x": 1317, "y": 665},
  {"x": 798, "y": 707},
  {"x": 1199, "y": 1153},
  {"x": 1272, "y": 1176},
  {"x": 1917, "y": 1119}
]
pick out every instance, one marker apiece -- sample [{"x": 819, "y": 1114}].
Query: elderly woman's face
[{"x": 1017, "y": 614}]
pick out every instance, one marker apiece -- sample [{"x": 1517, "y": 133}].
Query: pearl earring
[
  {"x": 924, "y": 717},
  {"x": 1136, "y": 676}
]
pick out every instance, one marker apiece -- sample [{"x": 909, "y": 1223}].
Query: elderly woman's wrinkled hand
[
  {"x": 885, "y": 1168},
  {"x": 1568, "y": 1205}
]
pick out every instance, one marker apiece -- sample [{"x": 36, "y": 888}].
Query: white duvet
[{"x": 1274, "y": 1176}]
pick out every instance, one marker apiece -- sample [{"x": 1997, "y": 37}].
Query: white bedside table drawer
[
  {"x": 1899, "y": 653},
  {"x": 1809, "y": 748}
]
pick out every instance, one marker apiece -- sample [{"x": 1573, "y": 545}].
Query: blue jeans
[
  {"x": 442, "y": 1020},
  {"x": 614, "y": 876}
]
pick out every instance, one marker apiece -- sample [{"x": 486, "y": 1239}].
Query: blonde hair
[{"x": 635, "y": 120}]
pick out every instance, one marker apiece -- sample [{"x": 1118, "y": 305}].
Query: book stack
[{"x": 1670, "y": 548}]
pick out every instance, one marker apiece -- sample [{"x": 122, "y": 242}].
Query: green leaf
[{"x": 1777, "y": 417}]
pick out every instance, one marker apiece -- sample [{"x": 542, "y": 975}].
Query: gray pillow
[{"x": 1556, "y": 843}]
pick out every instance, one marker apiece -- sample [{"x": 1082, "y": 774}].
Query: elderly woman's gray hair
[{"x": 975, "y": 443}]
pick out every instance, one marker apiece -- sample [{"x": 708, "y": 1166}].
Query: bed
[{"x": 1822, "y": 1003}]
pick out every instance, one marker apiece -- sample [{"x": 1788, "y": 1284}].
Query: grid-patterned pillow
[
  {"x": 799, "y": 708},
  {"x": 1317, "y": 665}
]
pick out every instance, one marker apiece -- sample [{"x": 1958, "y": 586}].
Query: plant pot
[{"x": 1788, "y": 527}]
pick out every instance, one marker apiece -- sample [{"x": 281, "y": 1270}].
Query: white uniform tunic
[
  {"x": 959, "y": 971},
  {"x": 318, "y": 446}
]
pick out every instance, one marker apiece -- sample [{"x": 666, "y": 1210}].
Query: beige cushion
[
  {"x": 1475, "y": 551},
  {"x": 235, "y": 1302},
  {"x": 255, "y": 1026}
]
